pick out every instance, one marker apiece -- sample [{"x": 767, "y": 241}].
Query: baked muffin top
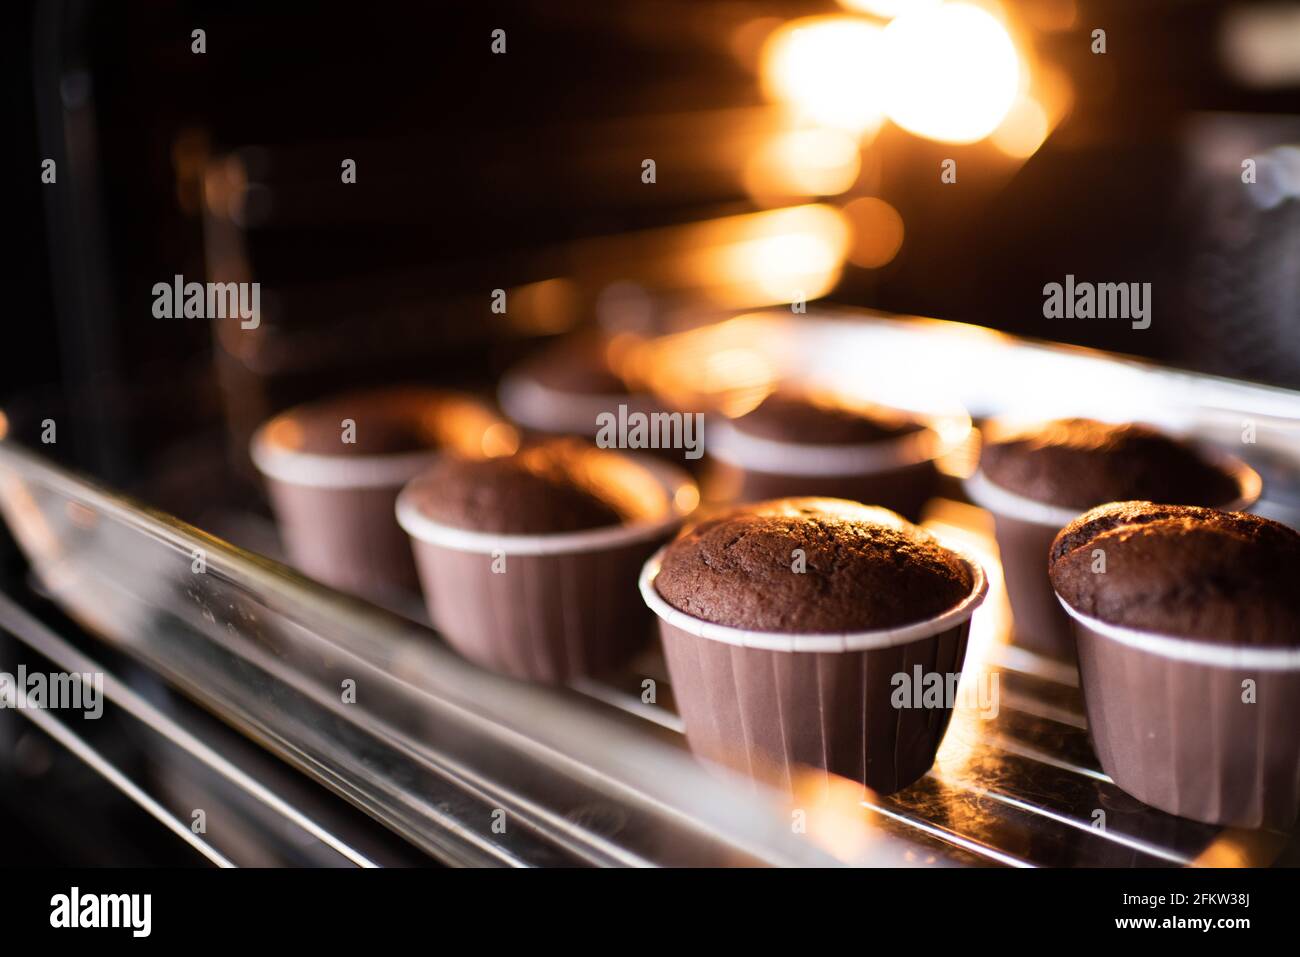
[
  {"x": 1079, "y": 463},
  {"x": 864, "y": 568},
  {"x": 389, "y": 421},
  {"x": 792, "y": 417},
  {"x": 561, "y": 485},
  {"x": 1184, "y": 571}
]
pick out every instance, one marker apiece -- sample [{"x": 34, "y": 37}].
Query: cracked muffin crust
[
  {"x": 1080, "y": 463},
  {"x": 1184, "y": 571},
  {"x": 864, "y": 568}
]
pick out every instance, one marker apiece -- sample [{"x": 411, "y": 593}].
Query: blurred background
[
  {"x": 943, "y": 159},
  {"x": 799, "y": 149}
]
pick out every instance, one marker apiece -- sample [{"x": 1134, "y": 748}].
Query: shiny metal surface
[
  {"x": 469, "y": 767},
  {"x": 440, "y": 751}
]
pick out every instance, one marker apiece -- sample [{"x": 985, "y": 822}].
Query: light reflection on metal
[
  {"x": 829, "y": 810},
  {"x": 1236, "y": 847},
  {"x": 971, "y": 529}
]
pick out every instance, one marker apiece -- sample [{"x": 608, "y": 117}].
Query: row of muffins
[{"x": 791, "y": 689}]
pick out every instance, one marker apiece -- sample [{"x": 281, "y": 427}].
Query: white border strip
[
  {"x": 1215, "y": 654},
  {"x": 422, "y": 528},
  {"x": 729, "y": 444},
  {"x": 793, "y": 641}
]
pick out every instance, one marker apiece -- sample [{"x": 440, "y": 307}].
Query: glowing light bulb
[
  {"x": 827, "y": 69},
  {"x": 953, "y": 72}
]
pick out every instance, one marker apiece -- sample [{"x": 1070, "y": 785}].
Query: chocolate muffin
[
  {"x": 797, "y": 443},
  {"x": 864, "y": 568},
  {"x": 1036, "y": 479},
  {"x": 1079, "y": 463},
  {"x": 787, "y": 626},
  {"x": 1189, "y": 656},
  {"x": 549, "y": 488},
  {"x": 1182, "y": 570},
  {"x": 529, "y": 563},
  {"x": 333, "y": 469},
  {"x": 792, "y": 417}
]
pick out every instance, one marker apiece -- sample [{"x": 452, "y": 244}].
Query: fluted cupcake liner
[
  {"x": 345, "y": 537},
  {"x": 335, "y": 511},
  {"x": 1201, "y": 730},
  {"x": 544, "y": 608},
  {"x": 1039, "y": 623},
  {"x": 904, "y": 490},
  {"x": 898, "y": 474},
  {"x": 775, "y": 705},
  {"x": 1025, "y": 530}
]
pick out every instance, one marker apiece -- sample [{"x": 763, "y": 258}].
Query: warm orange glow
[
  {"x": 1237, "y": 847},
  {"x": 286, "y": 433},
  {"x": 1050, "y": 16},
  {"x": 724, "y": 367},
  {"x": 468, "y": 428},
  {"x": 886, "y": 9},
  {"x": 827, "y": 70},
  {"x": 829, "y": 809},
  {"x": 972, "y": 529},
  {"x": 812, "y": 162},
  {"x": 953, "y": 72},
  {"x": 745, "y": 374},
  {"x": 686, "y": 499},
  {"x": 784, "y": 255},
  {"x": 631, "y": 486},
  {"x": 499, "y": 439},
  {"x": 4, "y": 425},
  {"x": 544, "y": 307},
  {"x": 877, "y": 232},
  {"x": 747, "y": 41},
  {"x": 1024, "y": 129}
]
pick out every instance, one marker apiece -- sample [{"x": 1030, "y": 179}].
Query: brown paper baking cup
[
  {"x": 774, "y": 705},
  {"x": 899, "y": 474},
  {"x": 335, "y": 511},
  {"x": 1173, "y": 723},
  {"x": 1025, "y": 530},
  {"x": 542, "y": 607},
  {"x": 545, "y": 409}
]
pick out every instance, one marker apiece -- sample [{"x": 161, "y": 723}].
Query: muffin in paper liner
[
  {"x": 333, "y": 501},
  {"x": 1169, "y": 720},
  {"x": 774, "y": 705},
  {"x": 1025, "y": 530},
  {"x": 896, "y": 473},
  {"x": 545, "y": 607}
]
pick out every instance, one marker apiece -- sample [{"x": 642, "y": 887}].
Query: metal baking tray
[{"x": 476, "y": 769}]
